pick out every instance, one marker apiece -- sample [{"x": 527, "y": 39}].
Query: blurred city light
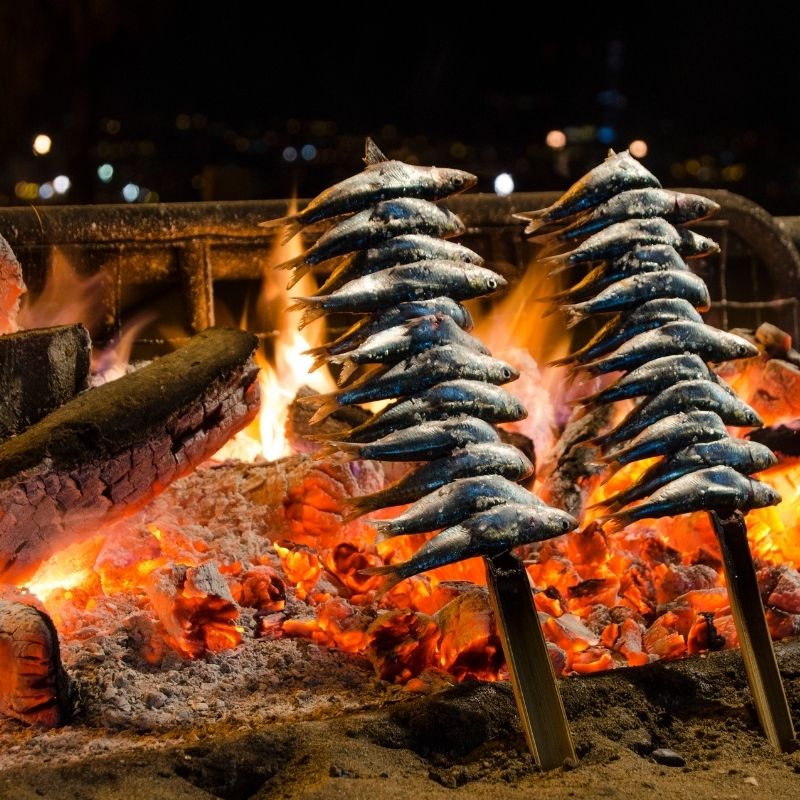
[
  {"x": 42, "y": 144},
  {"x": 503, "y": 184},
  {"x": 556, "y": 140}
]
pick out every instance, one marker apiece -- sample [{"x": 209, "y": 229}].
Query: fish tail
[
  {"x": 348, "y": 368},
  {"x": 536, "y": 234},
  {"x": 292, "y": 227},
  {"x": 389, "y": 571},
  {"x": 560, "y": 263},
  {"x": 310, "y": 306},
  {"x": 574, "y": 315},
  {"x": 527, "y": 216},
  {"x": 298, "y": 262},
  {"x": 550, "y": 311},
  {"x": 565, "y": 362},
  {"x": 327, "y": 408},
  {"x": 319, "y": 361},
  {"x": 335, "y": 447},
  {"x": 365, "y": 504},
  {"x": 614, "y": 523},
  {"x": 315, "y": 399},
  {"x": 278, "y": 222},
  {"x": 299, "y": 273}
]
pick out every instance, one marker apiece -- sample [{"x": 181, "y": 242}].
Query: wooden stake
[
  {"x": 754, "y": 639},
  {"x": 532, "y": 677}
]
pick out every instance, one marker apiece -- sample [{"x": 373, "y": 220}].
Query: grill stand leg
[
  {"x": 532, "y": 677},
  {"x": 754, "y": 639}
]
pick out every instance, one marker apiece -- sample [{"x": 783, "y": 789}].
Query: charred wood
[
  {"x": 783, "y": 439},
  {"x": 40, "y": 370},
  {"x": 110, "y": 450},
  {"x": 33, "y": 685}
]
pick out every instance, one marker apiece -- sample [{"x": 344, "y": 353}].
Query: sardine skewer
[{"x": 426, "y": 357}]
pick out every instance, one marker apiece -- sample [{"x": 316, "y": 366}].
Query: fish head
[
  {"x": 514, "y": 408},
  {"x": 697, "y": 245},
  {"x": 501, "y": 372},
  {"x": 556, "y": 521},
  {"x": 763, "y": 495},
  {"x": 694, "y": 206},
  {"x": 741, "y": 348},
  {"x": 487, "y": 281},
  {"x": 761, "y": 457},
  {"x": 751, "y": 417},
  {"x": 453, "y": 180}
]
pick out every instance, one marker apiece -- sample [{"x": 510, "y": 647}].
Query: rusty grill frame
[{"x": 146, "y": 250}]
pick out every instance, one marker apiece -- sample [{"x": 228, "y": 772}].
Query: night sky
[{"x": 202, "y": 104}]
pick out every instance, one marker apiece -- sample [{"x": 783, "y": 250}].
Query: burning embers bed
[
  {"x": 249, "y": 558},
  {"x": 210, "y": 595}
]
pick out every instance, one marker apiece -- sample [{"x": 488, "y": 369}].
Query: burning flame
[{"x": 289, "y": 369}]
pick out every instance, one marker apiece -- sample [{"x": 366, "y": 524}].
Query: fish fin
[
  {"x": 325, "y": 410},
  {"x": 614, "y": 523},
  {"x": 348, "y": 368},
  {"x": 574, "y": 315},
  {"x": 611, "y": 153},
  {"x": 372, "y": 153}
]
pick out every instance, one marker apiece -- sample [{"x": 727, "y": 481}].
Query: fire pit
[{"x": 233, "y": 603}]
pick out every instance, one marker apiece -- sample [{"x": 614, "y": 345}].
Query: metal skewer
[
  {"x": 532, "y": 677},
  {"x": 754, "y": 639}
]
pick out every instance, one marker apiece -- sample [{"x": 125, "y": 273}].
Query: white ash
[{"x": 122, "y": 699}]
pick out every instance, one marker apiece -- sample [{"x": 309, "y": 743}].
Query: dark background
[{"x": 186, "y": 103}]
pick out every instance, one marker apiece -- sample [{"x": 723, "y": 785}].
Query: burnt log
[
  {"x": 40, "y": 370},
  {"x": 12, "y": 287},
  {"x": 33, "y": 685},
  {"x": 783, "y": 439},
  {"x": 109, "y": 451}
]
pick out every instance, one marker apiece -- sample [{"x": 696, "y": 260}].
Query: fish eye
[
  {"x": 506, "y": 373},
  {"x": 491, "y": 283},
  {"x": 565, "y": 526}
]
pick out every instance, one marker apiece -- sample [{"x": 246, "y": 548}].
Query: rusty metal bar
[
  {"x": 754, "y": 639},
  {"x": 539, "y": 704}
]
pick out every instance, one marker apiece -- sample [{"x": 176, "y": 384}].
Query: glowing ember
[{"x": 653, "y": 591}]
